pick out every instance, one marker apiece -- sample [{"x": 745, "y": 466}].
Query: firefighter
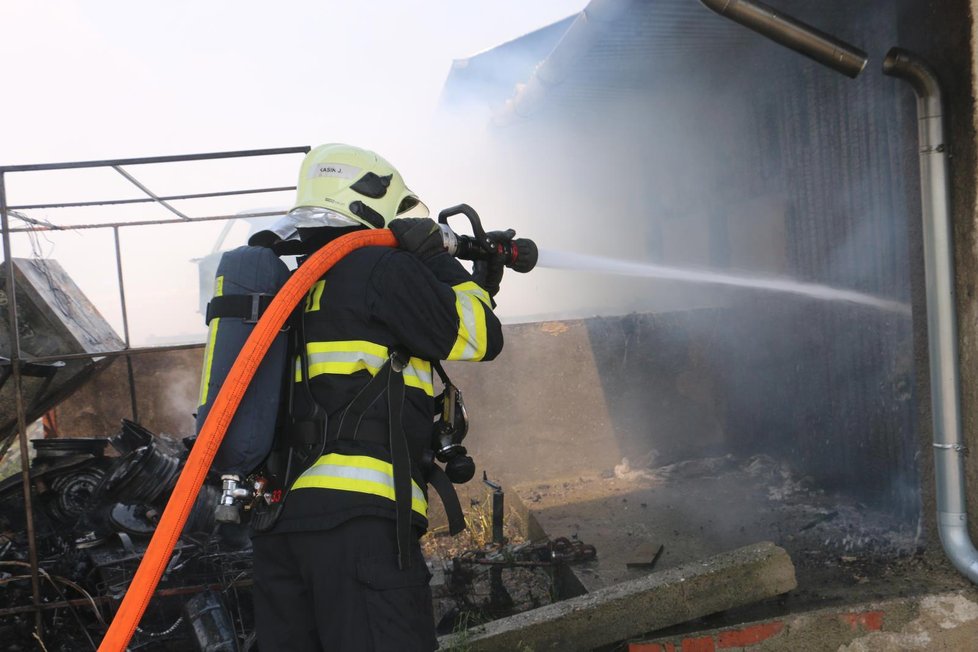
[{"x": 342, "y": 568}]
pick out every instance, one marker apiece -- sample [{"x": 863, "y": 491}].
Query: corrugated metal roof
[{"x": 489, "y": 77}]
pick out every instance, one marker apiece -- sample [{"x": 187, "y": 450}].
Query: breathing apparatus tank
[{"x": 247, "y": 279}]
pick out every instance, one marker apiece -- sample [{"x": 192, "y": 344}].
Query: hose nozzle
[{"x": 518, "y": 254}]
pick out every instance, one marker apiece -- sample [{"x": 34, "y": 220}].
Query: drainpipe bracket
[
  {"x": 960, "y": 448},
  {"x": 952, "y": 519}
]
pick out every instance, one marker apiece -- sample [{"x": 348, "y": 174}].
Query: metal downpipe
[
  {"x": 792, "y": 33},
  {"x": 952, "y": 518}
]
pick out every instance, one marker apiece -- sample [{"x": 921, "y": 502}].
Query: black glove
[
  {"x": 489, "y": 273},
  {"x": 419, "y": 235}
]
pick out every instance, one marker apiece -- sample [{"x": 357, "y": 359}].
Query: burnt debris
[{"x": 98, "y": 502}]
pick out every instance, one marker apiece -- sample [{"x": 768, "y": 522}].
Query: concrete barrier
[{"x": 626, "y": 610}]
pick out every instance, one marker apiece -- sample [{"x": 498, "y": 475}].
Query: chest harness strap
[{"x": 390, "y": 380}]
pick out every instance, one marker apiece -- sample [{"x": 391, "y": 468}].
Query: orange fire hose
[{"x": 184, "y": 494}]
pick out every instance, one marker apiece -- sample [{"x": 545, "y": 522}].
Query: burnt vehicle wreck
[{"x": 97, "y": 503}]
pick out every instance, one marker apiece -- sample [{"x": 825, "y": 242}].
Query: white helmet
[{"x": 341, "y": 185}]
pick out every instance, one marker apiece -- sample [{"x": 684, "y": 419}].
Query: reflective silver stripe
[
  {"x": 359, "y": 474},
  {"x": 470, "y": 303},
  {"x": 343, "y": 362},
  {"x": 420, "y": 371},
  {"x": 468, "y": 321},
  {"x": 348, "y": 357}
]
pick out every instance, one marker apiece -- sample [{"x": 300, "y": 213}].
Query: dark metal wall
[
  {"x": 840, "y": 378},
  {"x": 827, "y": 386}
]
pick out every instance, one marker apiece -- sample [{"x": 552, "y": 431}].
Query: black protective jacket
[{"x": 374, "y": 300}]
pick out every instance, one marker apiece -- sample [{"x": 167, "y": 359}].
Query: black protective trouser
[{"x": 340, "y": 590}]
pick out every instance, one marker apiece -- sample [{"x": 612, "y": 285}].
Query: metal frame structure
[{"x": 17, "y": 366}]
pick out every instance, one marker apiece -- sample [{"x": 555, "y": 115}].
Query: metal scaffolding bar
[
  {"x": 125, "y": 325},
  {"x": 153, "y": 159},
  {"x": 149, "y": 200},
  {"x": 38, "y": 226},
  {"x": 25, "y": 461},
  {"x": 15, "y": 366},
  {"x": 149, "y": 192}
]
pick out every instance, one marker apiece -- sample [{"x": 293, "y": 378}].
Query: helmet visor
[
  {"x": 308, "y": 217},
  {"x": 411, "y": 206}
]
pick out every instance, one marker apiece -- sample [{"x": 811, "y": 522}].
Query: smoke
[
  {"x": 729, "y": 154},
  {"x": 673, "y": 139}
]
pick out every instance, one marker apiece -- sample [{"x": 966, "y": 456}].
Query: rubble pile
[{"x": 97, "y": 504}]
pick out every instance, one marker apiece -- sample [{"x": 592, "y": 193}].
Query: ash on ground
[
  {"x": 842, "y": 549},
  {"x": 475, "y": 580}
]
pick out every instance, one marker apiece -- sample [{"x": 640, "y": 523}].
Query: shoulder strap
[{"x": 245, "y": 306}]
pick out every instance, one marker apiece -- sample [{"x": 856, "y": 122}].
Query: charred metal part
[
  {"x": 131, "y": 437},
  {"x": 142, "y": 475},
  {"x": 103, "y": 599},
  {"x": 499, "y": 598},
  {"x": 564, "y": 550},
  {"x": 74, "y": 492},
  {"x": 497, "y": 510},
  {"x": 131, "y": 520},
  {"x": 212, "y": 628},
  {"x": 550, "y": 553},
  {"x": 89, "y": 543},
  {"x": 945, "y": 386},
  {"x": 794, "y": 34},
  {"x": 54, "y": 448}
]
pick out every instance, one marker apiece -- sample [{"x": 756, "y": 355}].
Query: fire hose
[
  {"x": 198, "y": 463},
  {"x": 517, "y": 254}
]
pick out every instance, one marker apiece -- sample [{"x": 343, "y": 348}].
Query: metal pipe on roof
[
  {"x": 792, "y": 33},
  {"x": 942, "y": 336}
]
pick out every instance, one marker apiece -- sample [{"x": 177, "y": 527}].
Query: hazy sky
[{"x": 108, "y": 79}]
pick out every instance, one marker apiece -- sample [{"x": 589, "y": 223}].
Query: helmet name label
[{"x": 334, "y": 171}]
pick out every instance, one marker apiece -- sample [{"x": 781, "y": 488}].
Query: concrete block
[{"x": 626, "y": 610}]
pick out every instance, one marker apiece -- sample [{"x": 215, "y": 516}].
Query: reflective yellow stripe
[
  {"x": 470, "y": 303},
  {"x": 360, "y": 474},
  {"x": 205, "y": 372},
  {"x": 350, "y": 356},
  {"x": 314, "y": 295},
  {"x": 345, "y": 357},
  {"x": 418, "y": 374}
]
